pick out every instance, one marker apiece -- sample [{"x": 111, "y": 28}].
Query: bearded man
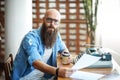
[{"x": 36, "y": 57}]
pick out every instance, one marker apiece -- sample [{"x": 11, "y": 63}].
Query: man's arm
[
  {"x": 62, "y": 72},
  {"x": 44, "y": 67}
]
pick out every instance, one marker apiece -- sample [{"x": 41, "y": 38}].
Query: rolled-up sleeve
[{"x": 30, "y": 45}]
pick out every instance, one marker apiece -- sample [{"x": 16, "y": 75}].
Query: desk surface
[{"x": 94, "y": 70}]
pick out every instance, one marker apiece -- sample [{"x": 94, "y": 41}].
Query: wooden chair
[{"x": 8, "y": 65}]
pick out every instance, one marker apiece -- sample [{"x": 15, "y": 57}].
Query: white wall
[
  {"x": 108, "y": 31},
  {"x": 108, "y": 26},
  {"x": 18, "y": 21}
]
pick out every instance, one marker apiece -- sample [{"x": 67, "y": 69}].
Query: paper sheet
[
  {"x": 85, "y": 61},
  {"x": 80, "y": 75}
]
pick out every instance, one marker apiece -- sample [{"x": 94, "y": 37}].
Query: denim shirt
[{"x": 31, "y": 49}]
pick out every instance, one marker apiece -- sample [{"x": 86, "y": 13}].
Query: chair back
[{"x": 8, "y": 65}]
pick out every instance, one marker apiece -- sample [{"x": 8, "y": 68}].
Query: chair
[{"x": 8, "y": 65}]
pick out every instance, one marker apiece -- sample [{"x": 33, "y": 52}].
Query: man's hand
[{"x": 65, "y": 72}]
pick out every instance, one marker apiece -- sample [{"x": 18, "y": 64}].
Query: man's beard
[{"x": 48, "y": 36}]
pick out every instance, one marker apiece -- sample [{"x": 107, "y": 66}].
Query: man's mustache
[{"x": 50, "y": 27}]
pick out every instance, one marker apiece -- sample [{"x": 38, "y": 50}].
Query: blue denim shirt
[{"x": 32, "y": 49}]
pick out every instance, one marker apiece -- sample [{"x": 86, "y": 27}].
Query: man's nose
[{"x": 52, "y": 22}]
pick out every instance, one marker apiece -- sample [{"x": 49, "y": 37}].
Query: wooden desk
[{"x": 94, "y": 70}]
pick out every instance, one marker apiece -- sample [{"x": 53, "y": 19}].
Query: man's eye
[{"x": 56, "y": 20}]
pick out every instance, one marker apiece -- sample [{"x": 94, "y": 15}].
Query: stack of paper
[
  {"x": 85, "y": 61},
  {"x": 86, "y": 75}
]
